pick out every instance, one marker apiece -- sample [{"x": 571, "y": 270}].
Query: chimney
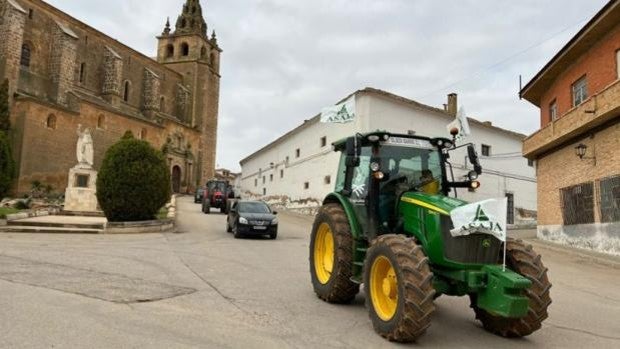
[{"x": 452, "y": 104}]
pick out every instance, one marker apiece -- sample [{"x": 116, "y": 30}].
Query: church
[{"x": 65, "y": 75}]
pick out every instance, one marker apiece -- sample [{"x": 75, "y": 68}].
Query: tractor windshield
[{"x": 410, "y": 168}]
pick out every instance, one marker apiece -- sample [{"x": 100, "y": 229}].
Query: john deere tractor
[{"x": 387, "y": 225}]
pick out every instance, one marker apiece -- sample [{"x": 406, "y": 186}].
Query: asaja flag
[
  {"x": 341, "y": 113},
  {"x": 486, "y": 217},
  {"x": 461, "y": 123}
]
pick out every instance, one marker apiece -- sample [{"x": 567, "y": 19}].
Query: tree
[
  {"x": 5, "y": 121},
  {"x": 133, "y": 183},
  {"x": 7, "y": 165}
]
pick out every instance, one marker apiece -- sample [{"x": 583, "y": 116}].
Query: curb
[{"x": 592, "y": 256}]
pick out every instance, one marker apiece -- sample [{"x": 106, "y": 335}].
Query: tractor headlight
[
  {"x": 475, "y": 184},
  {"x": 472, "y": 175},
  {"x": 375, "y": 167},
  {"x": 274, "y": 221},
  {"x": 243, "y": 220}
]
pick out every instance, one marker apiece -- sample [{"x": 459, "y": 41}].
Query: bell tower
[{"x": 190, "y": 51}]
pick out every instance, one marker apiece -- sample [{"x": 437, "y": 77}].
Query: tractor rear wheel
[
  {"x": 521, "y": 259},
  {"x": 331, "y": 256},
  {"x": 399, "y": 289}
]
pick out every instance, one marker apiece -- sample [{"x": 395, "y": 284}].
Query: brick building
[
  {"x": 64, "y": 74},
  {"x": 577, "y": 149}
]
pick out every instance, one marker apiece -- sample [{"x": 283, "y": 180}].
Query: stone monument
[{"x": 80, "y": 195}]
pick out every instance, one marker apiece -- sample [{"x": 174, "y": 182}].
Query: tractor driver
[{"x": 428, "y": 183}]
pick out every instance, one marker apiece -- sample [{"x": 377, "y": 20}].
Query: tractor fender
[{"x": 338, "y": 198}]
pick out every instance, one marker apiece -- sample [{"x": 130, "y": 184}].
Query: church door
[{"x": 176, "y": 179}]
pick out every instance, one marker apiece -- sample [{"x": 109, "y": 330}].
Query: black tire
[
  {"x": 339, "y": 288},
  {"x": 228, "y": 228},
  {"x": 524, "y": 260},
  {"x": 414, "y": 284},
  {"x": 222, "y": 210},
  {"x": 236, "y": 233},
  {"x": 273, "y": 236},
  {"x": 206, "y": 209}
]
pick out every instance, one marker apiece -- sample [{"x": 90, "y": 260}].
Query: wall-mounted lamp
[{"x": 581, "y": 150}]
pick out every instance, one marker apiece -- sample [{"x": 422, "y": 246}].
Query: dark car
[
  {"x": 198, "y": 195},
  {"x": 252, "y": 218}
]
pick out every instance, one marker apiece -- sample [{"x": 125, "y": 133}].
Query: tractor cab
[{"x": 378, "y": 169}]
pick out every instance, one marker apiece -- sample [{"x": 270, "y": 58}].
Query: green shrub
[
  {"x": 133, "y": 182},
  {"x": 22, "y": 204},
  {"x": 7, "y": 165}
]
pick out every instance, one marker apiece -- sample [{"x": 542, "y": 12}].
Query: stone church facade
[{"x": 63, "y": 74}]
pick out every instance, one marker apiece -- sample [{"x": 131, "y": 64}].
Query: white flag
[
  {"x": 461, "y": 123},
  {"x": 487, "y": 217},
  {"x": 341, "y": 113}
]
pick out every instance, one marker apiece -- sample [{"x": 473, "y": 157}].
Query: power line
[{"x": 509, "y": 58}]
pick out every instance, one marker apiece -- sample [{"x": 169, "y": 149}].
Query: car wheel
[
  {"x": 273, "y": 236},
  {"x": 228, "y": 228},
  {"x": 236, "y": 233}
]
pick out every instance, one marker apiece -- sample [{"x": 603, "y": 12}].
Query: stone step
[
  {"x": 47, "y": 230},
  {"x": 56, "y": 225}
]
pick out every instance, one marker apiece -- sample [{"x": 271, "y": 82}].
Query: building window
[
  {"x": 264, "y": 179},
  {"x": 126, "y": 91},
  {"x": 323, "y": 141},
  {"x": 281, "y": 173},
  {"x": 297, "y": 153},
  {"x": 264, "y": 191},
  {"x": 143, "y": 134},
  {"x": 577, "y": 204},
  {"x": 580, "y": 91},
  {"x": 100, "y": 122},
  {"x": 184, "y": 49},
  {"x": 51, "y": 122},
  {"x": 82, "y": 72},
  {"x": 203, "y": 52},
  {"x": 307, "y": 185},
  {"x": 553, "y": 110},
  {"x": 510, "y": 214},
  {"x": 162, "y": 104},
  {"x": 609, "y": 199},
  {"x": 486, "y": 150},
  {"x": 530, "y": 163},
  {"x": 25, "y": 58},
  {"x": 327, "y": 180},
  {"x": 256, "y": 182},
  {"x": 271, "y": 177},
  {"x": 287, "y": 160},
  {"x": 170, "y": 51},
  {"x": 30, "y": 13}
]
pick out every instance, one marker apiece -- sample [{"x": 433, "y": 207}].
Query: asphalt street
[{"x": 201, "y": 288}]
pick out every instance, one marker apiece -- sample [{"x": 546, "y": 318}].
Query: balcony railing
[{"x": 594, "y": 112}]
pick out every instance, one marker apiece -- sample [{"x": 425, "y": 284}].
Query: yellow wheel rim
[
  {"x": 324, "y": 253},
  {"x": 383, "y": 288}
]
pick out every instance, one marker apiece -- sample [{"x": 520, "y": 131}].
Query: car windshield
[{"x": 253, "y": 207}]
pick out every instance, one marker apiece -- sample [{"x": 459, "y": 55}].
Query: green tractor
[{"x": 387, "y": 226}]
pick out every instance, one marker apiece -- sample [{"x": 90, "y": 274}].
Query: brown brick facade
[{"x": 77, "y": 76}]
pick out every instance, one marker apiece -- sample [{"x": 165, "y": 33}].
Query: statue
[{"x": 84, "y": 150}]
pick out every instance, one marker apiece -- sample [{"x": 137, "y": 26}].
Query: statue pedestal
[{"x": 80, "y": 195}]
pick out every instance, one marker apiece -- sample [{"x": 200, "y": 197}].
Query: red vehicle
[{"x": 216, "y": 194}]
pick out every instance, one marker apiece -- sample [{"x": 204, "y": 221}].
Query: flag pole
[{"x": 505, "y": 243}]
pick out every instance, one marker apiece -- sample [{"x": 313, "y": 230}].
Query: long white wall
[{"x": 502, "y": 174}]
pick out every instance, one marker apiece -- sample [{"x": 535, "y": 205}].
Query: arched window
[
  {"x": 203, "y": 52},
  {"x": 143, "y": 134},
  {"x": 82, "y": 72},
  {"x": 213, "y": 59},
  {"x": 101, "y": 121},
  {"x": 162, "y": 104},
  {"x": 170, "y": 51},
  {"x": 184, "y": 49},
  {"x": 126, "y": 91},
  {"x": 183, "y": 23},
  {"x": 25, "y": 58},
  {"x": 51, "y": 122}
]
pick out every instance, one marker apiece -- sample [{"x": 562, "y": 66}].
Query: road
[{"x": 201, "y": 288}]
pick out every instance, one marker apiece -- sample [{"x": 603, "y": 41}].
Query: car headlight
[
  {"x": 243, "y": 220},
  {"x": 274, "y": 221}
]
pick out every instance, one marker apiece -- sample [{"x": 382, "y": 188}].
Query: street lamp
[{"x": 580, "y": 150}]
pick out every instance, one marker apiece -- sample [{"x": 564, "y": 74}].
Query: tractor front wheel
[
  {"x": 521, "y": 259},
  {"x": 399, "y": 288},
  {"x": 331, "y": 256}
]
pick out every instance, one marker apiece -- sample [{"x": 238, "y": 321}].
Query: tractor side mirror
[
  {"x": 473, "y": 158},
  {"x": 353, "y": 151}
]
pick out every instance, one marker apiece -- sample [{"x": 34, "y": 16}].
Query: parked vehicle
[
  {"x": 198, "y": 195},
  {"x": 252, "y": 218},
  {"x": 216, "y": 193},
  {"x": 387, "y": 225}
]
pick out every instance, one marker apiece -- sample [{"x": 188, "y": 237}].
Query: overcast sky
[{"x": 284, "y": 60}]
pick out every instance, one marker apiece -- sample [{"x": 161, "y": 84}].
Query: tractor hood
[{"x": 438, "y": 203}]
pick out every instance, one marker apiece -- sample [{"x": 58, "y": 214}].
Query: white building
[{"x": 299, "y": 169}]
